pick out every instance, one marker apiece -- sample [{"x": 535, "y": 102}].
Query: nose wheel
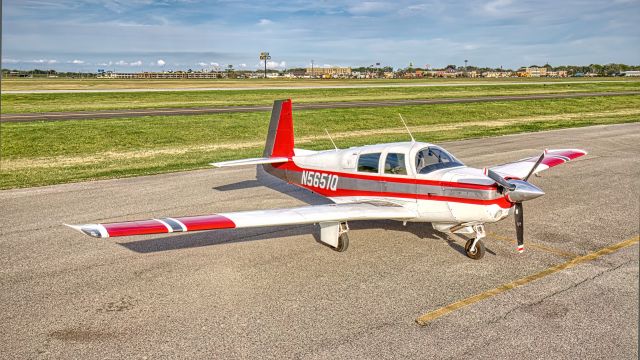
[{"x": 475, "y": 247}]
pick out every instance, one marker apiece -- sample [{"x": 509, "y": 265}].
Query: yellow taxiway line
[{"x": 432, "y": 315}]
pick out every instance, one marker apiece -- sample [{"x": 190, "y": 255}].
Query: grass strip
[{"x": 44, "y": 153}]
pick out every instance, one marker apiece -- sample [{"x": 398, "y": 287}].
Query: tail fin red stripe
[{"x": 280, "y": 141}]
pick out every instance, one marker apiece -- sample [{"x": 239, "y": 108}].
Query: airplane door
[{"x": 398, "y": 180}]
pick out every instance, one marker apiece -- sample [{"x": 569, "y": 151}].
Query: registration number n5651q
[{"x": 320, "y": 180}]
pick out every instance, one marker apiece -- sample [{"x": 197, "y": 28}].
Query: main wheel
[
  {"x": 478, "y": 253},
  {"x": 343, "y": 242}
]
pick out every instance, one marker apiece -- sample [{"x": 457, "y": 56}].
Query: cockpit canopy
[{"x": 434, "y": 158}]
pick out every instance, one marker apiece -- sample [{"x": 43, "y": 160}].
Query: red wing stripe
[
  {"x": 140, "y": 227},
  {"x": 206, "y": 222},
  {"x": 552, "y": 161}
]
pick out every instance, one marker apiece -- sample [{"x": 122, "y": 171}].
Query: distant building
[
  {"x": 533, "y": 71},
  {"x": 497, "y": 74},
  {"x": 330, "y": 72},
  {"x": 560, "y": 73},
  {"x": 161, "y": 75},
  {"x": 631, "y": 73}
]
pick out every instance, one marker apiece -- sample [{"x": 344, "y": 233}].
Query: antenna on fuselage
[
  {"x": 334, "y": 144},
  {"x": 406, "y": 127}
]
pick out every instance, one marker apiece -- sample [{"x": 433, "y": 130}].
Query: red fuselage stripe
[
  {"x": 401, "y": 180},
  {"x": 501, "y": 201}
]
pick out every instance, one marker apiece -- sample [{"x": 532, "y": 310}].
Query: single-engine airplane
[{"x": 405, "y": 181}]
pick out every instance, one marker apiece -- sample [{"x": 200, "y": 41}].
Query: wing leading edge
[
  {"x": 234, "y": 220},
  {"x": 519, "y": 169}
]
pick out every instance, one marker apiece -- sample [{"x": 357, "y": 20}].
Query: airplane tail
[
  {"x": 280, "y": 136},
  {"x": 279, "y": 145}
]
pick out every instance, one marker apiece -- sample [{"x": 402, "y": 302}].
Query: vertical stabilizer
[{"x": 280, "y": 136}]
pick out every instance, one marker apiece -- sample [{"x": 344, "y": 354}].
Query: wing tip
[{"x": 87, "y": 229}]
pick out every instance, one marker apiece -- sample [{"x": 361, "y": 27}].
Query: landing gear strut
[{"x": 474, "y": 247}]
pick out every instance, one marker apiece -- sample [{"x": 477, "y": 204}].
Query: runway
[
  {"x": 277, "y": 293},
  {"x": 109, "y": 114}
]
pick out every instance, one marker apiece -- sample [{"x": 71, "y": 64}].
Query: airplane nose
[{"x": 524, "y": 191}]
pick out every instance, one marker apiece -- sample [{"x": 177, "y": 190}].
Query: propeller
[{"x": 518, "y": 191}]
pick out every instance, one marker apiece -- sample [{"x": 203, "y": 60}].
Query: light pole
[
  {"x": 312, "y": 75},
  {"x": 265, "y": 56},
  {"x": 465, "y": 67}
]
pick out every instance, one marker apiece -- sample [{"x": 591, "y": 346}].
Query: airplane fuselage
[{"x": 417, "y": 175}]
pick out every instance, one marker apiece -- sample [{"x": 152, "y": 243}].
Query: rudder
[{"x": 280, "y": 140}]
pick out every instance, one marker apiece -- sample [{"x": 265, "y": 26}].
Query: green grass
[
  {"x": 42, "y": 153},
  {"x": 116, "y": 84},
  {"x": 30, "y": 103}
]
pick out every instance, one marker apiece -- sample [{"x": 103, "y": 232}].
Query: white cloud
[
  {"x": 203, "y": 64},
  {"x": 43, "y": 61},
  {"x": 160, "y": 62},
  {"x": 265, "y": 22},
  {"x": 10, "y": 61},
  {"x": 75, "y": 61},
  {"x": 242, "y": 65},
  {"x": 214, "y": 64},
  {"x": 273, "y": 65},
  {"x": 496, "y": 6},
  {"x": 369, "y": 7},
  {"x": 120, "y": 63},
  {"x": 136, "y": 63}
]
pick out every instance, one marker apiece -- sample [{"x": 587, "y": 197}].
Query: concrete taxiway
[
  {"x": 127, "y": 113},
  {"x": 277, "y": 293}
]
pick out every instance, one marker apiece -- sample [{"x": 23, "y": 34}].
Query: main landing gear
[
  {"x": 475, "y": 247},
  {"x": 335, "y": 235},
  {"x": 343, "y": 238}
]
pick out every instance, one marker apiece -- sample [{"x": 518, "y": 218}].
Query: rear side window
[
  {"x": 394, "y": 164},
  {"x": 369, "y": 162}
]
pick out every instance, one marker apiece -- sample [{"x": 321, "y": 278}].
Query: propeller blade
[
  {"x": 519, "y": 216},
  {"x": 499, "y": 179},
  {"x": 535, "y": 165}
]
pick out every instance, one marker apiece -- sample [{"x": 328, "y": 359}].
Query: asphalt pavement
[
  {"x": 278, "y": 293},
  {"x": 127, "y": 113}
]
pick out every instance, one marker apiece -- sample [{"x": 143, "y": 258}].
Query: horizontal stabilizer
[{"x": 252, "y": 161}]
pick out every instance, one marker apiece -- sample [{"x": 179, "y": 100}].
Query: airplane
[{"x": 405, "y": 181}]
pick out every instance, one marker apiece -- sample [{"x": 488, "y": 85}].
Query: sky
[{"x": 156, "y": 35}]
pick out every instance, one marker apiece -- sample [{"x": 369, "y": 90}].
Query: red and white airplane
[{"x": 405, "y": 181}]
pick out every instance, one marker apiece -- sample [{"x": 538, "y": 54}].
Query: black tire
[
  {"x": 343, "y": 242},
  {"x": 476, "y": 255}
]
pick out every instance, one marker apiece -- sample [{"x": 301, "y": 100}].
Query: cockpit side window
[
  {"x": 394, "y": 164},
  {"x": 368, "y": 162},
  {"x": 433, "y": 158}
]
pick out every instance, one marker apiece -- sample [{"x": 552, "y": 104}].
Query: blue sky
[{"x": 135, "y": 35}]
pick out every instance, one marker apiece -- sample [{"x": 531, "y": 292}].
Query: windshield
[{"x": 434, "y": 158}]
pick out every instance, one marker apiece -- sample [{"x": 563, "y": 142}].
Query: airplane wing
[
  {"x": 519, "y": 169},
  {"x": 373, "y": 210}
]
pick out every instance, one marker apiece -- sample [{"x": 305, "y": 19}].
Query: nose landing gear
[{"x": 475, "y": 247}]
